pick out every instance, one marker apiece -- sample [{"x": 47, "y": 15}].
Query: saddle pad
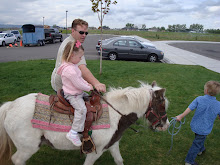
[{"x": 47, "y": 119}]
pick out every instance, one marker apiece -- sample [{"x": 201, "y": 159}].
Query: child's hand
[
  {"x": 178, "y": 118},
  {"x": 91, "y": 87}
]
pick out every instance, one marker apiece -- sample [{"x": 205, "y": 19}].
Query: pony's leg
[
  {"x": 21, "y": 156},
  {"x": 92, "y": 157},
  {"x": 115, "y": 152}
]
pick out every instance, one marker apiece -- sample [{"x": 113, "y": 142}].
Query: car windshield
[
  {"x": 14, "y": 32},
  {"x": 1, "y": 35},
  {"x": 107, "y": 41},
  {"x": 51, "y": 30}
]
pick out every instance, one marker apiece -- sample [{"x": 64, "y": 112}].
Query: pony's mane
[{"x": 130, "y": 97}]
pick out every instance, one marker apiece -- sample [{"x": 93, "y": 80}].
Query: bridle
[{"x": 150, "y": 111}]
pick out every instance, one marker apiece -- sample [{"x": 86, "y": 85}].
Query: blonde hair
[
  {"x": 69, "y": 49},
  {"x": 212, "y": 87}
]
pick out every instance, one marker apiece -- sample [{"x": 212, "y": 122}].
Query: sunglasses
[{"x": 82, "y": 32}]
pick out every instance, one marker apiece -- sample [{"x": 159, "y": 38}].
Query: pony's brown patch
[
  {"x": 46, "y": 142},
  {"x": 124, "y": 123}
]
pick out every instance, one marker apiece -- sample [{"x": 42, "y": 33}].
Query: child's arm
[{"x": 186, "y": 112}]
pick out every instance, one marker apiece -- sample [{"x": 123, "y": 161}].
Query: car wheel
[
  {"x": 61, "y": 39},
  {"x": 3, "y": 43},
  {"x": 39, "y": 43},
  {"x": 112, "y": 56},
  {"x": 152, "y": 58},
  {"x": 53, "y": 40},
  {"x": 18, "y": 39}
]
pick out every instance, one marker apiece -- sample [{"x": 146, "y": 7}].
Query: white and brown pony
[{"x": 131, "y": 104}]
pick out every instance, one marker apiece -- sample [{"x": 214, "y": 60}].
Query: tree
[
  {"x": 105, "y": 27},
  {"x": 215, "y": 31},
  {"x": 162, "y": 28},
  {"x": 196, "y": 27},
  {"x": 129, "y": 26},
  {"x": 101, "y": 7}
]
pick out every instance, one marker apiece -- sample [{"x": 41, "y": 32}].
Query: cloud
[{"x": 154, "y": 12}]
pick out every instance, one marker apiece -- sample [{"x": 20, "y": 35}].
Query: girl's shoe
[{"x": 74, "y": 138}]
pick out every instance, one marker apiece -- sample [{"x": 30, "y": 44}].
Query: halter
[{"x": 150, "y": 110}]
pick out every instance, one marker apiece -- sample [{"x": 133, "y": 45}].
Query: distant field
[{"x": 158, "y": 36}]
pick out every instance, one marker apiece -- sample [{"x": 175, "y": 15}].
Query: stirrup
[{"x": 88, "y": 145}]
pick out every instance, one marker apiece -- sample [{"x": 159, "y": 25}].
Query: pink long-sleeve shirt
[{"x": 72, "y": 80}]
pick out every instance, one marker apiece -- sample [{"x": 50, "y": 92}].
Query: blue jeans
[{"x": 197, "y": 146}]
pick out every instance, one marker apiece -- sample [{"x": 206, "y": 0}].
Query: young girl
[
  {"x": 74, "y": 86},
  {"x": 207, "y": 109}
]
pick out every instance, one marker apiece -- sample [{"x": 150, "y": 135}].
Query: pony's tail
[{"x": 5, "y": 141}]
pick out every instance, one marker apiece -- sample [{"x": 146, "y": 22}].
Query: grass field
[
  {"x": 182, "y": 83},
  {"x": 157, "y": 36}
]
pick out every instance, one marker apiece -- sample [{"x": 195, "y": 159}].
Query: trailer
[{"x": 33, "y": 35}]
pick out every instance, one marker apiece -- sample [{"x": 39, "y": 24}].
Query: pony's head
[
  {"x": 156, "y": 112},
  {"x": 147, "y": 100}
]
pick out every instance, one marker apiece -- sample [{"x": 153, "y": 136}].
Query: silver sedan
[{"x": 129, "y": 48}]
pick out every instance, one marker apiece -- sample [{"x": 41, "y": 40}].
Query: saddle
[{"x": 94, "y": 110}]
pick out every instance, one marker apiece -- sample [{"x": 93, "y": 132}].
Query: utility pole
[{"x": 66, "y": 22}]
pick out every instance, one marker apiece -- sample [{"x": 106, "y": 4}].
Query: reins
[
  {"x": 173, "y": 133},
  {"x": 98, "y": 94}
]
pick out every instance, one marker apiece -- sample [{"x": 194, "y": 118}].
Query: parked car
[
  {"x": 52, "y": 34},
  {"x": 16, "y": 33},
  {"x": 7, "y": 38},
  {"x": 129, "y": 48},
  {"x": 143, "y": 43}
]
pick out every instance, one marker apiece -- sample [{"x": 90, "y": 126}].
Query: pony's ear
[
  {"x": 154, "y": 83},
  {"x": 160, "y": 92},
  {"x": 163, "y": 90}
]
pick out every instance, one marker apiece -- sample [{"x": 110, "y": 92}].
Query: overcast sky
[{"x": 149, "y": 12}]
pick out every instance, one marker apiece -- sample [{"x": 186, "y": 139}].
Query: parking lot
[
  {"x": 211, "y": 50},
  {"x": 206, "y": 54},
  {"x": 49, "y": 51}
]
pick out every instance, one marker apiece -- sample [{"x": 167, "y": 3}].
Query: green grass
[{"x": 182, "y": 83}]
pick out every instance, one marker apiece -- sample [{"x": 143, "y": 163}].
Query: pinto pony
[{"x": 128, "y": 105}]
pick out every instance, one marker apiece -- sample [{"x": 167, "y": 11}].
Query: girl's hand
[{"x": 91, "y": 87}]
